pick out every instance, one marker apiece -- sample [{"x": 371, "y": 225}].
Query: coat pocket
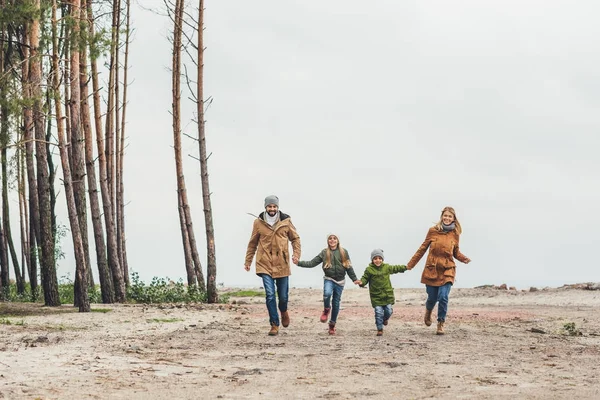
[
  {"x": 450, "y": 271},
  {"x": 430, "y": 272}
]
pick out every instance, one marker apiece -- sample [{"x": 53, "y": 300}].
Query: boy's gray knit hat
[
  {"x": 272, "y": 199},
  {"x": 375, "y": 253}
]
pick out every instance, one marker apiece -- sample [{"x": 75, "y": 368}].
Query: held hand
[
  {"x": 295, "y": 260},
  {"x": 358, "y": 282},
  {"x": 247, "y": 267}
]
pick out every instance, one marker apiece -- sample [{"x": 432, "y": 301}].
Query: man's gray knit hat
[
  {"x": 272, "y": 199},
  {"x": 375, "y": 253}
]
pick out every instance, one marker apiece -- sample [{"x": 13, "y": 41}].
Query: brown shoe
[
  {"x": 380, "y": 333},
  {"x": 285, "y": 319},
  {"x": 385, "y": 321},
  {"x": 274, "y": 330},
  {"x": 331, "y": 328},
  {"x": 325, "y": 314},
  {"x": 440, "y": 328},
  {"x": 427, "y": 318}
]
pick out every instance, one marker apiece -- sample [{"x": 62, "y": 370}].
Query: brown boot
[
  {"x": 332, "y": 328},
  {"x": 427, "y": 318},
  {"x": 274, "y": 330},
  {"x": 380, "y": 332},
  {"x": 440, "y": 328},
  {"x": 285, "y": 319}
]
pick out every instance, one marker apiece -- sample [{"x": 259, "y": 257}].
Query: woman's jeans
[
  {"x": 282, "y": 293},
  {"x": 382, "y": 313},
  {"x": 330, "y": 288},
  {"x": 438, "y": 294}
]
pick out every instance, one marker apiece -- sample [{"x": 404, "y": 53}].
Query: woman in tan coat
[{"x": 438, "y": 275}]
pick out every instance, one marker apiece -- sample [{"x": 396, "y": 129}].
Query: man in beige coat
[{"x": 271, "y": 234}]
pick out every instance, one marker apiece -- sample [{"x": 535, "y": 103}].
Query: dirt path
[{"x": 210, "y": 352}]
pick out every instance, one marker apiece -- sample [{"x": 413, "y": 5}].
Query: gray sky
[{"x": 366, "y": 119}]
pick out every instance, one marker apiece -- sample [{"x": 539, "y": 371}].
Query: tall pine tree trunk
[
  {"x": 80, "y": 266},
  {"x": 106, "y": 281},
  {"x": 187, "y": 232},
  {"x": 111, "y": 235},
  {"x": 33, "y": 201},
  {"x": 211, "y": 267},
  {"x": 121, "y": 152},
  {"x": 47, "y": 260}
]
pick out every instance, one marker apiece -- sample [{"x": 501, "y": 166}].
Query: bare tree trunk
[
  {"x": 111, "y": 236},
  {"x": 4, "y": 262},
  {"x": 51, "y": 168},
  {"x": 106, "y": 281},
  {"x": 23, "y": 217},
  {"x": 6, "y": 217},
  {"x": 188, "y": 239},
  {"x": 77, "y": 154},
  {"x": 121, "y": 152},
  {"x": 112, "y": 108},
  {"x": 47, "y": 262},
  {"x": 81, "y": 269},
  {"x": 211, "y": 267},
  {"x": 34, "y": 209}
]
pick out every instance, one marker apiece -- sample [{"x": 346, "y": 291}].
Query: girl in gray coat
[{"x": 336, "y": 264}]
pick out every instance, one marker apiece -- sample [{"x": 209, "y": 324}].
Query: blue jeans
[
  {"x": 382, "y": 313},
  {"x": 330, "y": 288},
  {"x": 282, "y": 293},
  {"x": 438, "y": 294}
]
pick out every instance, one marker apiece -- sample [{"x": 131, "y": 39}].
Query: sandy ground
[{"x": 498, "y": 344}]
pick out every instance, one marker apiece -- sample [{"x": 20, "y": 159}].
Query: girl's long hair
[
  {"x": 458, "y": 228},
  {"x": 329, "y": 255}
]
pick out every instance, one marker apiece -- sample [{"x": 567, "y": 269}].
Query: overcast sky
[{"x": 366, "y": 119}]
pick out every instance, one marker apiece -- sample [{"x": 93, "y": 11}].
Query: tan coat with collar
[
  {"x": 443, "y": 249},
  {"x": 271, "y": 245}
]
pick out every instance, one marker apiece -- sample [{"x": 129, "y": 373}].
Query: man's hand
[
  {"x": 247, "y": 267},
  {"x": 295, "y": 260}
]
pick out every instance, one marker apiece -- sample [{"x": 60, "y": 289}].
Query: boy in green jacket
[{"x": 377, "y": 275}]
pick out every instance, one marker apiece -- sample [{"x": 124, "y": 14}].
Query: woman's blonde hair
[
  {"x": 328, "y": 254},
  {"x": 457, "y": 228}
]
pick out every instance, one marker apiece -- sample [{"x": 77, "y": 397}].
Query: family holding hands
[{"x": 273, "y": 231}]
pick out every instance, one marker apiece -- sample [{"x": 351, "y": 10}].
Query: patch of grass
[
  {"x": 246, "y": 293},
  {"x": 101, "y": 310},
  {"x": 571, "y": 330},
  {"x": 163, "y": 290},
  {"x": 164, "y": 320}
]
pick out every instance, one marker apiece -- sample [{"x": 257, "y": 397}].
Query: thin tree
[
  {"x": 111, "y": 235},
  {"x": 81, "y": 268},
  {"x": 192, "y": 260},
  {"x": 121, "y": 151},
  {"x": 211, "y": 266},
  {"x": 47, "y": 260},
  {"x": 28, "y": 134},
  {"x": 106, "y": 281}
]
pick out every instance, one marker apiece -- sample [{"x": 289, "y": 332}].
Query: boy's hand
[{"x": 358, "y": 282}]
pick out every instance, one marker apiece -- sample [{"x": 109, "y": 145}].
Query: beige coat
[
  {"x": 443, "y": 249},
  {"x": 271, "y": 245}
]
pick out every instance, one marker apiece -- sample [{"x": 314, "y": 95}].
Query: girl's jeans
[
  {"x": 382, "y": 313},
  {"x": 330, "y": 288},
  {"x": 438, "y": 294},
  {"x": 282, "y": 293}
]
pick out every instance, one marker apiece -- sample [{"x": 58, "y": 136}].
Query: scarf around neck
[{"x": 448, "y": 228}]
